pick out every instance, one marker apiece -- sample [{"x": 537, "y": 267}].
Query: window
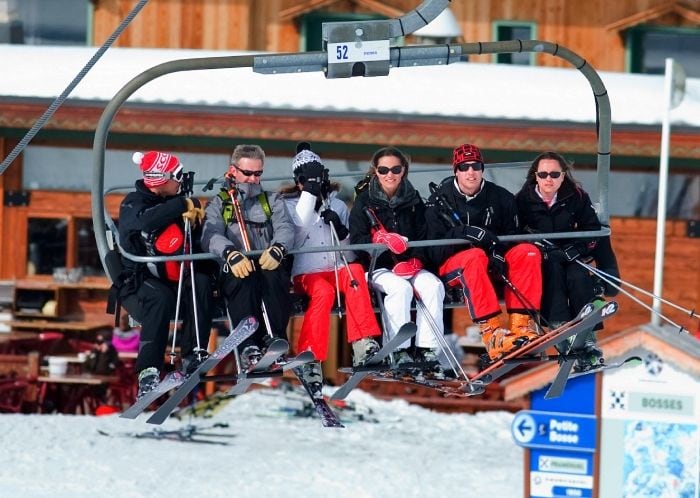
[
  {"x": 51, "y": 22},
  {"x": 650, "y": 46},
  {"x": 311, "y": 38},
  {"x": 509, "y": 30},
  {"x": 46, "y": 245},
  {"x": 88, "y": 259}
]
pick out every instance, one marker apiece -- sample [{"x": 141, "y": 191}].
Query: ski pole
[
  {"x": 334, "y": 240},
  {"x": 188, "y": 239},
  {"x": 238, "y": 213},
  {"x": 172, "y": 354},
  {"x": 600, "y": 273},
  {"x": 633, "y": 298}
]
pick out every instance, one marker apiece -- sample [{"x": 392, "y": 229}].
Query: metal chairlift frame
[{"x": 362, "y": 37}]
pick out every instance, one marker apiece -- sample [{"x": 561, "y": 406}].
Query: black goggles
[
  {"x": 384, "y": 170},
  {"x": 477, "y": 166},
  {"x": 545, "y": 174}
]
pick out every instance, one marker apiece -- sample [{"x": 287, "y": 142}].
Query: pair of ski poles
[{"x": 454, "y": 363}]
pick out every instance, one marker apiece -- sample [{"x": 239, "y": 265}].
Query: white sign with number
[{"x": 377, "y": 50}]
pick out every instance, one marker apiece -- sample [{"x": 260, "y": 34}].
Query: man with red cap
[
  {"x": 465, "y": 206},
  {"x": 152, "y": 223}
]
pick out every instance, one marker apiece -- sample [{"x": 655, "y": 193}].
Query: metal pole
[{"x": 663, "y": 187}]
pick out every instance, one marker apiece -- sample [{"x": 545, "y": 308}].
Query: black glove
[
  {"x": 311, "y": 177},
  {"x": 497, "y": 261},
  {"x": 329, "y": 216},
  {"x": 325, "y": 184},
  {"x": 479, "y": 236}
]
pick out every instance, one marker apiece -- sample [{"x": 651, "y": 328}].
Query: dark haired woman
[
  {"x": 390, "y": 211},
  {"x": 552, "y": 201}
]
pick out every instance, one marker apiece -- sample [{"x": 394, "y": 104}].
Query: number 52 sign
[{"x": 376, "y": 50}]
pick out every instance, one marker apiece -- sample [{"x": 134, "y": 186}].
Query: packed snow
[{"x": 388, "y": 448}]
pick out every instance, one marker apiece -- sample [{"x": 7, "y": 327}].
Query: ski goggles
[
  {"x": 247, "y": 172},
  {"x": 545, "y": 174},
  {"x": 178, "y": 174},
  {"x": 384, "y": 170}
]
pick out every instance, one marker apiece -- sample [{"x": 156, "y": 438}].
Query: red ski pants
[
  {"x": 320, "y": 287},
  {"x": 524, "y": 272}
]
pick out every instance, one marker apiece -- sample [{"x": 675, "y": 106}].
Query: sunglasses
[
  {"x": 467, "y": 166},
  {"x": 384, "y": 170},
  {"x": 545, "y": 174},
  {"x": 247, "y": 172}
]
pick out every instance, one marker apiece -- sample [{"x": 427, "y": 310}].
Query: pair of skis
[{"x": 533, "y": 351}]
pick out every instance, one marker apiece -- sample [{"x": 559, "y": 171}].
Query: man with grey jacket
[{"x": 251, "y": 287}]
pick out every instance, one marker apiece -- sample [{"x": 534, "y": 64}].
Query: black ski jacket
[
  {"x": 573, "y": 211},
  {"x": 143, "y": 213},
  {"x": 493, "y": 209},
  {"x": 403, "y": 214}
]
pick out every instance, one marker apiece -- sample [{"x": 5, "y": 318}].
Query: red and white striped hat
[{"x": 158, "y": 167}]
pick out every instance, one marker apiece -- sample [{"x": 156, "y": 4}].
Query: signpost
[{"x": 553, "y": 430}]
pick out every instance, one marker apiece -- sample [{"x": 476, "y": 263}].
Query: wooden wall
[{"x": 594, "y": 29}]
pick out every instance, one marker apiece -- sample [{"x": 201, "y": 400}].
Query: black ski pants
[
  {"x": 244, "y": 297},
  {"x": 566, "y": 288},
  {"x": 153, "y": 305}
]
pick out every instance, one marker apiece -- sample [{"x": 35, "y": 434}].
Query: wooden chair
[{"x": 18, "y": 374}]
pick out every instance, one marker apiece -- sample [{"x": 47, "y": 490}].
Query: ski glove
[
  {"x": 408, "y": 269},
  {"x": 271, "y": 258},
  {"x": 193, "y": 211},
  {"x": 329, "y": 216},
  {"x": 395, "y": 242},
  {"x": 480, "y": 237},
  {"x": 497, "y": 262},
  {"x": 311, "y": 177},
  {"x": 239, "y": 264}
]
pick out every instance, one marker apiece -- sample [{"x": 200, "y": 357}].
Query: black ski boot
[
  {"x": 250, "y": 356},
  {"x": 148, "y": 381},
  {"x": 191, "y": 362},
  {"x": 363, "y": 349},
  {"x": 589, "y": 357},
  {"x": 312, "y": 377}
]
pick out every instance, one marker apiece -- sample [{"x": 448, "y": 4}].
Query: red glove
[
  {"x": 395, "y": 242},
  {"x": 408, "y": 269}
]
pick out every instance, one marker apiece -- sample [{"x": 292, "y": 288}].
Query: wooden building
[{"x": 608, "y": 35}]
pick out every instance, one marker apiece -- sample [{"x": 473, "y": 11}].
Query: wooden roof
[
  {"x": 678, "y": 348},
  {"x": 672, "y": 7},
  {"x": 311, "y": 5}
]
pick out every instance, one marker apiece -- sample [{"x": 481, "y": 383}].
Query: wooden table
[
  {"x": 74, "y": 392},
  {"x": 63, "y": 326}
]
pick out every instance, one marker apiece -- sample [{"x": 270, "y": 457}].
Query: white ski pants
[{"x": 398, "y": 295}]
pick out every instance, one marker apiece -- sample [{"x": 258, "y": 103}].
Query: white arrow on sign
[{"x": 523, "y": 428}]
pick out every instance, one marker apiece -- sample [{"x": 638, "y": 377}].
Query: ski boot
[
  {"x": 402, "y": 357},
  {"x": 497, "y": 340},
  {"x": 191, "y": 362},
  {"x": 148, "y": 381},
  {"x": 523, "y": 327},
  {"x": 363, "y": 349},
  {"x": 312, "y": 376},
  {"x": 589, "y": 357},
  {"x": 430, "y": 356},
  {"x": 250, "y": 356}
]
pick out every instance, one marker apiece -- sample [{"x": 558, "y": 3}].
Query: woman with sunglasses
[
  {"x": 152, "y": 223},
  {"x": 551, "y": 201},
  {"x": 465, "y": 206},
  {"x": 390, "y": 211}
]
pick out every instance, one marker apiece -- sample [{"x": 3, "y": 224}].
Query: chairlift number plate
[{"x": 375, "y": 50}]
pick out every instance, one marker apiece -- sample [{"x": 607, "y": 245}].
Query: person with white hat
[
  {"x": 320, "y": 218},
  {"x": 152, "y": 223}
]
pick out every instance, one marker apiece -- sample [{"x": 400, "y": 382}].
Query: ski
[
  {"x": 275, "y": 350},
  {"x": 170, "y": 381},
  {"x": 632, "y": 360},
  {"x": 406, "y": 332},
  {"x": 446, "y": 386},
  {"x": 245, "y": 329},
  {"x": 568, "y": 359},
  {"x": 532, "y": 351},
  {"x": 328, "y": 417},
  {"x": 185, "y": 434}
]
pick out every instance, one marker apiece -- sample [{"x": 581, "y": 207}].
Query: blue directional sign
[{"x": 561, "y": 431}]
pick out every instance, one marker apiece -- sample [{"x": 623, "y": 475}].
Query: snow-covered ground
[{"x": 403, "y": 450}]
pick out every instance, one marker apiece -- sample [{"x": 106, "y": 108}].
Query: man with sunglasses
[
  {"x": 152, "y": 223},
  {"x": 465, "y": 206},
  {"x": 251, "y": 286}
]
